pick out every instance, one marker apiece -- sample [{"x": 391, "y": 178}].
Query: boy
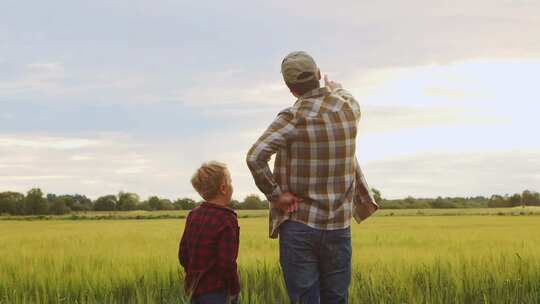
[{"x": 209, "y": 245}]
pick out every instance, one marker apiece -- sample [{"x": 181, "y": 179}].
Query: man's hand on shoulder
[
  {"x": 332, "y": 85},
  {"x": 288, "y": 202}
]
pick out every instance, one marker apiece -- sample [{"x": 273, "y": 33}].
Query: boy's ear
[{"x": 223, "y": 188}]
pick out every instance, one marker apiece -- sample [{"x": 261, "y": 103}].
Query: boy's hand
[
  {"x": 288, "y": 202},
  {"x": 332, "y": 85}
]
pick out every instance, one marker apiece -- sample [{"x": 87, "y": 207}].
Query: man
[{"x": 316, "y": 186}]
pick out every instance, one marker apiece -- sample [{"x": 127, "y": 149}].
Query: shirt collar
[
  {"x": 316, "y": 93},
  {"x": 211, "y": 205},
  {"x": 310, "y": 96}
]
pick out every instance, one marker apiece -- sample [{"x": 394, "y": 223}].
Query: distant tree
[
  {"x": 531, "y": 198},
  {"x": 21, "y": 208},
  {"x": 443, "y": 203},
  {"x": 165, "y": 204},
  {"x": 177, "y": 204},
  {"x": 105, "y": 203},
  {"x": 235, "y": 204},
  {"x": 12, "y": 203},
  {"x": 81, "y": 203},
  {"x": 127, "y": 201},
  {"x": 35, "y": 202},
  {"x": 69, "y": 201},
  {"x": 50, "y": 198},
  {"x": 498, "y": 201},
  {"x": 391, "y": 204},
  {"x": 412, "y": 203},
  {"x": 156, "y": 203},
  {"x": 153, "y": 202},
  {"x": 252, "y": 202},
  {"x": 377, "y": 195},
  {"x": 59, "y": 205},
  {"x": 409, "y": 201},
  {"x": 515, "y": 200},
  {"x": 477, "y": 202},
  {"x": 184, "y": 204},
  {"x": 144, "y": 205}
]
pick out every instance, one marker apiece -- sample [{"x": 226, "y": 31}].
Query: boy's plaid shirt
[
  {"x": 315, "y": 145},
  {"x": 208, "y": 250}
]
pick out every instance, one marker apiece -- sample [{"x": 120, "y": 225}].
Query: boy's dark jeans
[
  {"x": 316, "y": 263},
  {"x": 218, "y": 297}
]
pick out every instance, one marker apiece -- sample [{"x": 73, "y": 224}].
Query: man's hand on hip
[{"x": 288, "y": 202}]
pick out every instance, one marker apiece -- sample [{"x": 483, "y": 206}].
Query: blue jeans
[
  {"x": 218, "y": 297},
  {"x": 316, "y": 263}
]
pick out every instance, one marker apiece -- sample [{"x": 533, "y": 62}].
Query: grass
[
  {"x": 396, "y": 259},
  {"x": 181, "y": 214},
  {"x": 125, "y": 215}
]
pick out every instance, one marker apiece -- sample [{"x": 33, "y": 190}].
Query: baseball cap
[{"x": 297, "y": 63}]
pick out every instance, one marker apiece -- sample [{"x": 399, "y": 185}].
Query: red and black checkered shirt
[{"x": 208, "y": 250}]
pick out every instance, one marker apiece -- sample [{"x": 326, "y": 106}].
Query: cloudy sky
[{"x": 102, "y": 96}]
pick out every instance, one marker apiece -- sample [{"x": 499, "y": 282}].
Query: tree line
[
  {"x": 526, "y": 198},
  {"x": 36, "y": 202}
]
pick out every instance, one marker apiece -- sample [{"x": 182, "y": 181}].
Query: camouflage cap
[{"x": 297, "y": 63}]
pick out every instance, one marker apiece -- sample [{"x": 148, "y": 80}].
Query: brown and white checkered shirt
[{"x": 315, "y": 144}]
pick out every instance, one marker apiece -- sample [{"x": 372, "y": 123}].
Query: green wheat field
[{"x": 409, "y": 256}]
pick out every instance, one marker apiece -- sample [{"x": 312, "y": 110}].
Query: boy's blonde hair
[{"x": 209, "y": 177}]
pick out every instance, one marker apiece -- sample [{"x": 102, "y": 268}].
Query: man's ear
[
  {"x": 319, "y": 74},
  {"x": 294, "y": 93}
]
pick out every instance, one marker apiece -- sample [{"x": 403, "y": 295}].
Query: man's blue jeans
[{"x": 316, "y": 263}]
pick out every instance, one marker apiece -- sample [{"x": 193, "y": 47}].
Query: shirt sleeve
[
  {"x": 364, "y": 203},
  {"x": 274, "y": 138},
  {"x": 227, "y": 253},
  {"x": 347, "y": 96},
  {"x": 183, "y": 248}
]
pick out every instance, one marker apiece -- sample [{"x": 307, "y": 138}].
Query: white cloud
[
  {"x": 469, "y": 83},
  {"x": 450, "y": 93},
  {"x": 455, "y": 174},
  {"x": 5, "y": 116},
  {"x": 390, "y": 119},
  {"x": 45, "y": 69},
  {"x": 46, "y": 142},
  {"x": 11, "y": 178},
  {"x": 89, "y": 182},
  {"x": 82, "y": 157},
  {"x": 131, "y": 170},
  {"x": 240, "y": 93}
]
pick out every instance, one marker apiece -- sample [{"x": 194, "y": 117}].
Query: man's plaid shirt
[{"x": 315, "y": 144}]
